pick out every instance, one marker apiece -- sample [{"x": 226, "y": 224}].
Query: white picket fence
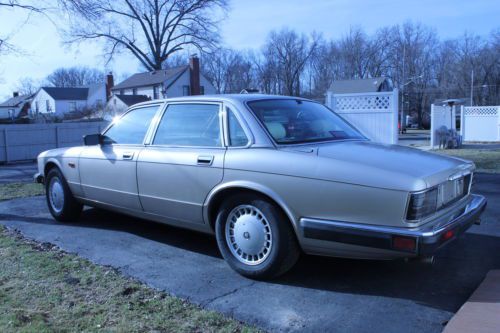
[
  {"x": 25, "y": 142},
  {"x": 441, "y": 116},
  {"x": 373, "y": 114},
  {"x": 480, "y": 123}
]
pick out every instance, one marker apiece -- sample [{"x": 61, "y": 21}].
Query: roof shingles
[{"x": 151, "y": 78}]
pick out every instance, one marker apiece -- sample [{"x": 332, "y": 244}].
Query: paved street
[{"x": 318, "y": 294}]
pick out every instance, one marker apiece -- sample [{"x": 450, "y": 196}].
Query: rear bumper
[{"x": 427, "y": 238}]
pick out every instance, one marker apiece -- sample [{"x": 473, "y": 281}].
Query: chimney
[
  {"x": 16, "y": 94},
  {"x": 194, "y": 74},
  {"x": 110, "y": 83}
]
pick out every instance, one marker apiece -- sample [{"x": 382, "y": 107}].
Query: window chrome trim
[
  {"x": 164, "y": 110},
  {"x": 228, "y": 107},
  {"x": 133, "y": 108}
]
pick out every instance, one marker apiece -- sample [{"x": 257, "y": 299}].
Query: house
[
  {"x": 59, "y": 101},
  {"x": 15, "y": 107},
  {"x": 250, "y": 91},
  {"x": 377, "y": 84},
  {"x": 118, "y": 104},
  {"x": 166, "y": 83}
]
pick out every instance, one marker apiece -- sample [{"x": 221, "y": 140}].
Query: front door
[
  {"x": 183, "y": 163},
  {"x": 108, "y": 171}
]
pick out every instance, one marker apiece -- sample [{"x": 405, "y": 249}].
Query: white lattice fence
[
  {"x": 480, "y": 123},
  {"x": 374, "y": 114}
]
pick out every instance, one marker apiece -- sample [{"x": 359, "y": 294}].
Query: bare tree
[
  {"x": 151, "y": 30},
  {"x": 27, "y": 86},
  {"x": 291, "y": 52},
  {"x": 75, "y": 77},
  {"x": 29, "y": 7}
]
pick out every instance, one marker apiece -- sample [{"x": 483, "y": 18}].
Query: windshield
[{"x": 291, "y": 121}]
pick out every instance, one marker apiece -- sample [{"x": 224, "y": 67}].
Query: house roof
[
  {"x": 59, "y": 93},
  {"x": 15, "y": 101},
  {"x": 152, "y": 78},
  {"x": 357, "y": 86},
  {"x": 132, "y": 99}
]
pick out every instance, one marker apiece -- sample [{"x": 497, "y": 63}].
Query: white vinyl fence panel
[
  {"x": 441, "y": 116},
  {"x": 373, "y": 114},
  {"x": 480, "y": 123},
  {"x": 25, "y": 142}
]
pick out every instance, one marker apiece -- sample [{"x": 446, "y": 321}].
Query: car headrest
[{"x": 277, "y": 130}]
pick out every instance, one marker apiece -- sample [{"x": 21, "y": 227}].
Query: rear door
[
  {"x": 184, "y": 161},
  {"x": 108, "y": 171}
]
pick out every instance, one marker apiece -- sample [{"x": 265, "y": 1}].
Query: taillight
[{"x": 422, "y": 204}]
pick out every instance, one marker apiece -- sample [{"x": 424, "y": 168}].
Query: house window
[
  {"x": 47, "y": 105},
  {"x": 134, "y": 91},
  {"x": 114, "y": 102},
  {"x": 202, "y": 90},
  {"x": 11, "y": 113},
  {"x": 122, "y": 92},
  {"x": 185, "y": 91},
  {"x": 156, "y": 92},
  {"x": 37, "y": 108},
  {"x": 72, "y": 106}
]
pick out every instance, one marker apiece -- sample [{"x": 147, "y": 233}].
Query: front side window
[
  {"x": 189, "y": 125},
  {"x": 292, "y": 121},
  {"x": 132, "y": 127},
  {"x": 237, "y": 136}
]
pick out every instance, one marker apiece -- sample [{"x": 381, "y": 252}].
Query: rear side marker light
[
  {"x": 447, "y": 235},
  {"x": 407, "y": 244}
]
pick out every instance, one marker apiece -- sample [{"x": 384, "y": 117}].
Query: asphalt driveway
[
  {"x": 17, "y": 173},
  {"x": 318, "y": 294}
]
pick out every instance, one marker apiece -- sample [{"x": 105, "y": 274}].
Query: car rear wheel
[
  {"x": 62, "y": 205},
  {"x": 255, "y": 237}
]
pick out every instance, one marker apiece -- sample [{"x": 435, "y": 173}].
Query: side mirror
[{"x": 93, "y": 139}]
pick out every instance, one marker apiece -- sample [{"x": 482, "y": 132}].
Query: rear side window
[
  {"x": 237, "y": 136},
  {"x": 190, "y": 125},
  {"x": 132, "y": 127}
]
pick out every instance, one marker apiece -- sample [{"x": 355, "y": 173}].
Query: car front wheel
[
  {"x": 62, "y": 205},
  {"x": 255, "y": 237}
]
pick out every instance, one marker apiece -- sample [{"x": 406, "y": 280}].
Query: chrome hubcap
[
  {"x": 248, "y": 235},
  {"x": 56, "y": 195}
]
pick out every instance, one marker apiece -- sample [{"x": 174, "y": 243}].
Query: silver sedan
[{"x": 270, "y": 176}]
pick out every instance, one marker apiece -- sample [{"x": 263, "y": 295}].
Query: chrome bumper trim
[{"x": 428, "y": 236}]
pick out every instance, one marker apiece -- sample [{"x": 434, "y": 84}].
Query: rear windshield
[{"x": 291, "y": 121}]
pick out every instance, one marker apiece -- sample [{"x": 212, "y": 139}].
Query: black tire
[
  {"x": 70, "y": 209},
  {"x": 284, "y": 251}
]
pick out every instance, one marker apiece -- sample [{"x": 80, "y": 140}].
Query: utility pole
[{"x": 471, "y": 87}]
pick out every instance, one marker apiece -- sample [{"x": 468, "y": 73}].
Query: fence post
[
  {"x": 462, "y": 122},
  {"x": 432, "y": 126},
  {"x": 5, "y": 140},
  {"x": 395, "y": 113},
  {"x": 57, "y": 136}
]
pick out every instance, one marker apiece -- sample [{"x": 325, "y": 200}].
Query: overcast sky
[{"x": 246, "y": 26}]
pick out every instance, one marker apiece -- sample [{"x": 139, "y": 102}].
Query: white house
[
  {"x": 118, "y": 104},
  {"x": 58, "y": 101},
  {"x": 166, "y": 83},
  {"x": 15, "y": 107}
]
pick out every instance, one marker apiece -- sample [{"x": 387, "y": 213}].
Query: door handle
[
  {"x": 128, "y": 156},
  {"x": 205, "y": 160}
]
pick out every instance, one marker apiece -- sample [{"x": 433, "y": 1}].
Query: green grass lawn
[
  {"x": 43, "y": 289},
  {"x": 486, "y": 160},
  {"x": 20, "y": 190}
]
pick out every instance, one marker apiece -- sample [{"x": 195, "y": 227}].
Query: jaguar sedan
[{"x": 270, "y": 176}]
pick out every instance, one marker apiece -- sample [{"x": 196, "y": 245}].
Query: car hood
[{"x": 386, "y": 166}]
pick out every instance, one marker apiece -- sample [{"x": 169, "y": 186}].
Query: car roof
[{"x": 238, "y": 98}]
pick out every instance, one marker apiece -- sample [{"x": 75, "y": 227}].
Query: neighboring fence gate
[
  {"x": 374, "y": 114},
  {"x": 441, "y": 116},
  {"x": 480, "y": 123},
  {"x": 25, "y": 142}
]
